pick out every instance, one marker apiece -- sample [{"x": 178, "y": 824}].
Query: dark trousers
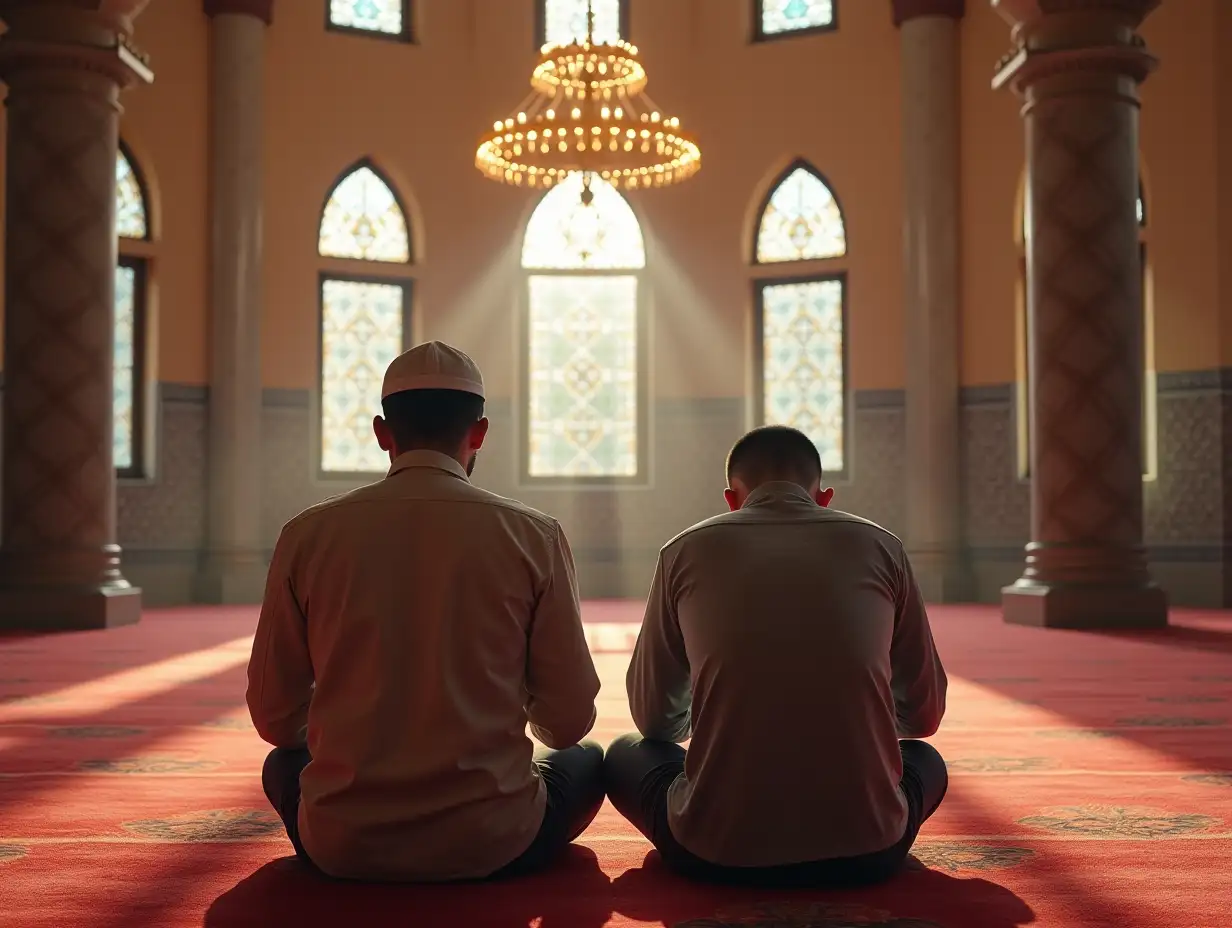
[
  {"x": 573, "y": 778},
  {"x": 638, "y": 774}
]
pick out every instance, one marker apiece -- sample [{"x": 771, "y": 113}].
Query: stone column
[
  {"x": 65, "y": 67},
  {"x": 1077, "y": 66},
  {"x": 931, "y": 163},
  {"x": 234, "y": 565}
]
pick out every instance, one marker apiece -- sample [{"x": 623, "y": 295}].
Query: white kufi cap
[{"x": 432, "y": 366}]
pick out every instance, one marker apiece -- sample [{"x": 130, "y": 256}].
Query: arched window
[
  {"x": 1023, "y": 353},
  {"x": 365, "y": 310},
  {"x": 792, "y": 17},
  {"x": 128, "y": 383},
  {"x": 380, "y": 18},
  {"x": 584, "y": 374},
  {"x": 800, "y": 360},
  {"x": 561, "y": 22}
]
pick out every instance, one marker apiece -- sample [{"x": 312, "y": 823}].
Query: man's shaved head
[{"x": 774, "y": 453}]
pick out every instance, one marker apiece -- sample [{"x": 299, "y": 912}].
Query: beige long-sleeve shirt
[
  {"x": 790, "y": 643},
  {"x": 410, "y": 631}
]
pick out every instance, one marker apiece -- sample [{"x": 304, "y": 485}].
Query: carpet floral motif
[
  {"x": 956, "y": 856},
  {"x": 1076, "y": 734},
  {"x": 999, "y": 764},
  {"x": 219, "y": 825},
  {"x": 807, "y": 915},
  {"x": 1213, "y": 678},
  {"x": 147, "y": 765},
  {"x": 1004, "y": 681},
  {"x": 96, "y": 731},
  {"x": 1169, "y": 721},
  {"x": 228, "y": 724},
  {"x": 1119, "y": 822},
  {"x": 1209, "y": 779},
  {"x": 1192, "y": 700},
  {"x": 11, "y": 852}
]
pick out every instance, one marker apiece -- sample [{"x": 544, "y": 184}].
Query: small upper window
[
  {"x": 363, "y": 220},
  {"x": 801, "y": 221},
  {"x": 780, "y": 17},
  {"x": 565, "y": 21},
  {"x": 130, "y": 201},
  {"x": 380, "y": 17}
]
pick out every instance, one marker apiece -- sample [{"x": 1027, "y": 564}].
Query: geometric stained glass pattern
[
  {"x": 565, "y": 234},
  {"x": 124, "y": 377},
  {"x": 565, "y": 21},
  {"x": 778, "y": 16},
  {"x": 583, "y": 373},
  {"x": 362, "y": 220},
  {"x": 361, "y": 332},
  {"x": 383, "y": 16},
  {"x": 131, "y": 220},
  {"x": 801, "y": 221},
  {"x": 802, "y": 343}
]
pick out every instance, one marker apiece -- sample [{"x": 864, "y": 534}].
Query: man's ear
[
  {"x": 823, "y": 497},
  {"x": 384, "y": 434},
  {"x": 478, "y": 432},
  {"x": 732, "y": 498}
]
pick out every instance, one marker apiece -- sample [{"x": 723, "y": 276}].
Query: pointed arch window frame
[
  {"x": 1022, "y": 347},
  {"x": 802, "y": 271},
  {"x": 408, "y": 35},
  {"x": 642, "y": 478},
  {"x": 350, "y": 270},
  {"x": 134, "y": 254},
  {"x": 541, "y": 22},
  {"x": 760, "y": 35}
]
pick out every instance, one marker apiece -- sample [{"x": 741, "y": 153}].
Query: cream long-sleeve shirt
[
  {"x": 790, "y": 643},
  {"x": 410, "y": 631}
]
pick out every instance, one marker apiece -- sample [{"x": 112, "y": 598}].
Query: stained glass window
[
  {"x": 125, "y": 368},
  {"x": 361, "y": 332},
  {"x": 778, "y": 16},
  {"x": 363, "y": 220},
  {"x": 583, "y": 376},
  {"x": 583, "y": 360},
  {"x": 383, "y": 16},
  {"x": 565, "y": 234},
  {"x": 131, "y": 219},
  {"x": 564, "y": 21},
  {"x": 802, "y": 221},
  {"x": 802, "y": 356}
]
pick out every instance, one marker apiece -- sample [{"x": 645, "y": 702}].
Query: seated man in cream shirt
[
  {"x": 790, "y": 643},
  {"x": 410, "y": 631}
]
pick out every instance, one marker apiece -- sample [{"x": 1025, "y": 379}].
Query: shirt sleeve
[
  {"x": 658, "y": 681},
  {"x": 280, "y": 675},
  {"x": 917, "y": 678},
  {"x": 561, "y": 682}
]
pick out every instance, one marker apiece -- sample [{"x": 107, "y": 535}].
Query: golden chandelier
[{"x": 588, "y": 112}]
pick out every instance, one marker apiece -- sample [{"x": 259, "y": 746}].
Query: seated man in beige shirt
[
  {"x": 790, "y": 643},
  {"x": 410, "y": 631}
]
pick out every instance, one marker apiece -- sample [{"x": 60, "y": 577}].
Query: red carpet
[{"x": 1091, "y": 786}]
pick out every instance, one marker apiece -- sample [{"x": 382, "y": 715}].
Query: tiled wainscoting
[{"x": 616, "y": 534}]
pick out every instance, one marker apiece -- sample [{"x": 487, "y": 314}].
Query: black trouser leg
[
  {"x": 925, "y": 778},
  {"x": 280, "y": 778},
  {"x": 573, "y": 778},
  {"x": 637, "y": 775}
]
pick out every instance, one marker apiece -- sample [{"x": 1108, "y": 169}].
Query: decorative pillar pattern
[
  {"x": 59, "y": 563},
  {"x": 1077, "y": 65},
  {"x": 233, "y": 569},
  {"x": 930, "y": 84}
]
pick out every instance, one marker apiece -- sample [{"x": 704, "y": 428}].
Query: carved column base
[
  {"x": 65, "y": 591},
  {"x": 232, "y": 578},
  {"x": 1076, "y": 586}
]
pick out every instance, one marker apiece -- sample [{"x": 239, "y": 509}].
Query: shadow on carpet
[{"x": 578, "y": 894}]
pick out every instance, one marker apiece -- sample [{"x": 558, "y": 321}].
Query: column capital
[
  {"x": 1060, "y": 37},
  {"x": 905, "y": 10},
  {"x": 261, "y": 9},
  {"x": 67, "y": 36}
]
